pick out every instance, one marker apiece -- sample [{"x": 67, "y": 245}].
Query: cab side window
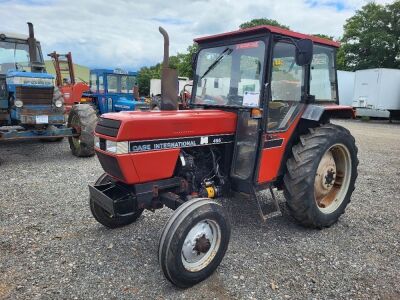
[
  {"x": 93, "y": 83},
  {"x": 286, "y": 87},
  {"x": 101, "y": 84}
]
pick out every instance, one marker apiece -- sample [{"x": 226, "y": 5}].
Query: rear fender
[
  {"x": 312, "y": 117},
  {"x": 323, "y": 113}
]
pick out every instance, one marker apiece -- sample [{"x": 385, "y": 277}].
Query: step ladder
[{"x": 64, "y": 68}]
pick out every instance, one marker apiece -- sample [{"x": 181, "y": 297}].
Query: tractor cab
[
  {"x": 114, "y": 91},
  {"x": 268, "y": 76}
]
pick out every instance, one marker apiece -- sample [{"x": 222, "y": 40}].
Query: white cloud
[{"x": 123, "y": 33}]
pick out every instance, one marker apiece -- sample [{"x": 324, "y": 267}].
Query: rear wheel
[
  {"x": 103, "y": 217},
  {"x": 193, "y": 242},
  {"x": 320, "y": 176},
  {"x": 83, "y": 119}
]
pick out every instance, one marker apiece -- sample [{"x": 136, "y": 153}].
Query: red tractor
[
  {"x": 65, "y": 80},
  {"x": 258, "y": 119}
]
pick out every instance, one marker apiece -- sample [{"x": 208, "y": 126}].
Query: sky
[{"x": 124, "y": 33}]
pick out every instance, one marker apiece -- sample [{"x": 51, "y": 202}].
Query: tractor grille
[
  {"x": 108, "y": 127},
  {"x": 34, "y": 95}
]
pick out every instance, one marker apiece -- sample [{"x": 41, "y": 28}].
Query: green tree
[
  {"x": 324, "y": 36},
  {"x": 262, "y": 21},
  {"x": 182, "y": 62},
  {"x": 144, "y": 76},
  {"x": 371, "y": 38}
]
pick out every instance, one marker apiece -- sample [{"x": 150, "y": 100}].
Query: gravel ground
[{"x": 51, "y": 247}]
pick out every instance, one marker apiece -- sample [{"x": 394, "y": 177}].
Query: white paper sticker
[
  {"x": 251, "y": 99},
  {"x": 203, "y": 140},
  {"x": 42, "y": 119}
]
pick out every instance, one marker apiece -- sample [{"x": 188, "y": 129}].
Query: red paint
[
  {"x": 247, "y": 45},
  {"x": 267, "y": 28},
  {"x": 335, "y": 107},
  {"x": 271, "y": 158},
  {"x": 73, "y": 93},
  {"x": 145, "y": 166},
  {"x": 155, "y": 165},
  {"x": 149, "y": 125}
]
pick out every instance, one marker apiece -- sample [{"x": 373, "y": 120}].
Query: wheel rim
[
  {"x": 332, "y": 179},
  {"x": 75, "y": 123},
  {"x": 201, "y": 245}
]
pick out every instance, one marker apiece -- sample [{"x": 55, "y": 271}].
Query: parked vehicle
[
  {"x": 346, "y": 87},
  {"x": 377, "y": 93},
  {"x": 71, "y": 89},
  {"x": 257, "y": 120},
  {"x": 30, "y": 105},
  {"x": 114, "y": 91}
]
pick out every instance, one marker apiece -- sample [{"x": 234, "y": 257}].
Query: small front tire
[{"x": 193, "y": 242}]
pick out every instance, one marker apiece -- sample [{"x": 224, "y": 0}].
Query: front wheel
[
  {"x": 193, "y": 242},
  {"x": 103, "y": 217},
  {"x": 321, "y": 175},
  {"x": 83, "y": 119}
]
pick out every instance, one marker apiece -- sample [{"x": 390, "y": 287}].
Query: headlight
[
  {"x": 117, "y": 147},
  {"x": 18, "y": 103},
  {"x": 58, "y": 103}
]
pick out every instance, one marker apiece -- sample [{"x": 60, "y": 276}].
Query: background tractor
[
  {"x": 114, "y": 91},
  {"x": 258, "y": 119},
  {"x": 71, "y": 89},
  {"x": 31, "y": 106}
]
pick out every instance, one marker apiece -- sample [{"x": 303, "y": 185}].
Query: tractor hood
[
  {"x": 30, "y": 79},
  {"x": 152, "y": 125}
]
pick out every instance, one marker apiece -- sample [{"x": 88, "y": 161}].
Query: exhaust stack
[
  {"x": 169, "y": 79},
  {"x": 32, "y": 44}
]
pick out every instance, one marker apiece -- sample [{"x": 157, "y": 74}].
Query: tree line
[{"x": 371, "y": 39}]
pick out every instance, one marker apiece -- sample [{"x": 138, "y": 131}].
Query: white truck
[
  {"x": 155, "y": 86},
  {"x": 377, "y": 93}
]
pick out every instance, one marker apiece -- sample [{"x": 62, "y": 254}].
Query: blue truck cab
[{"x": 114, "y": 91}]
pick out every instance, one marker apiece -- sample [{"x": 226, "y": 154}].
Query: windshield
[
  {"x": 230, "y": 75},
  {"x": 121, "y": 83},
  {"x": 14, "y": 56}
]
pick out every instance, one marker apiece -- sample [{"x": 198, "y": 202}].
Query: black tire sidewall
[
  {"x": 171, "y": 250},
  {"x": 319, "y": 218}
]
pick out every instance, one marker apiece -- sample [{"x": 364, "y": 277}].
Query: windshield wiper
[{"x": 227, "y": 51}]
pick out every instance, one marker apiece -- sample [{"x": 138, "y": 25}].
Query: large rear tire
[
  {"x": 321, "y": 175},
  {"x": 103, "y": 217},
  {"x": 83, "y": 119},
  {"x": 193, "y": 242}
]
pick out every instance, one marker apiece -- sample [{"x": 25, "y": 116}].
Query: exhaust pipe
[
  {"x": 169, "y": 79},
  {"x": 32, "y": 44}
]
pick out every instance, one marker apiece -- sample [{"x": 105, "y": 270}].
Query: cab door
[{"x": 284, "y": 107}]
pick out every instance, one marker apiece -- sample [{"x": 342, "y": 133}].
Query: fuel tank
[{"x": 150, "y": 125}]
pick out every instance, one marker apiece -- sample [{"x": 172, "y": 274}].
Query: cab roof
[
  {"x": 17, "y": 36},
  {"x": 267, "y": 28}
]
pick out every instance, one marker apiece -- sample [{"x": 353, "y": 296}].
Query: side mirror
[{"x": 304, "y": 52}]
